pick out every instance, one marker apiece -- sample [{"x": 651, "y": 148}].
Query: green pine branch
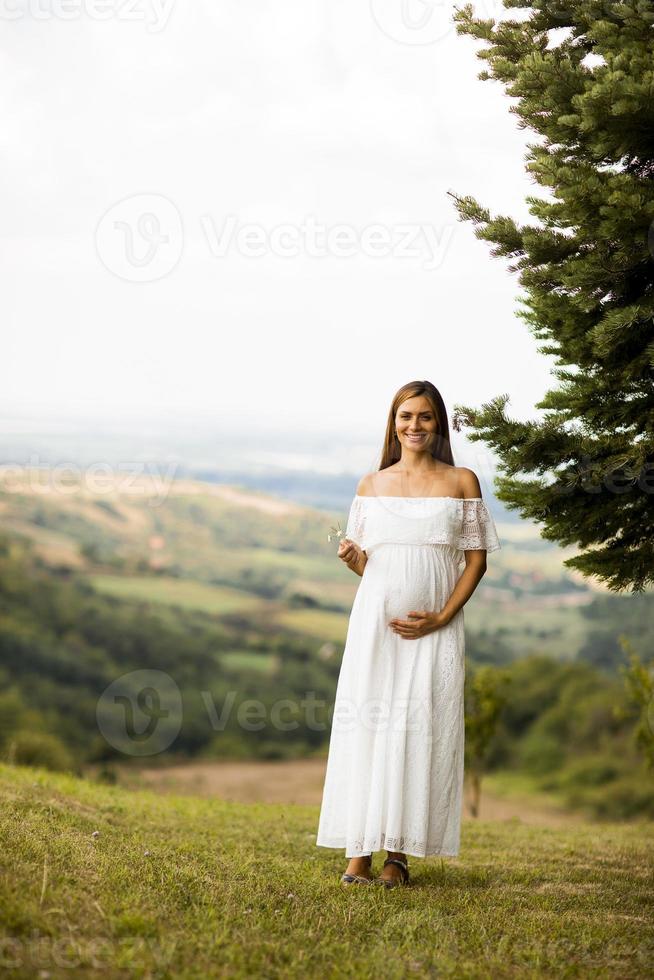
[{"x": 584, "y": 469}]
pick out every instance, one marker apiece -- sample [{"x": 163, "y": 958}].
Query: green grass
[{"x": 185, "y": 887}]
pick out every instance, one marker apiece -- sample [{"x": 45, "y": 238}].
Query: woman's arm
[
  {"x": 349, "y": 551},
  {"x": 475, "y": 560},
  {"x": 469, "y": 580}
]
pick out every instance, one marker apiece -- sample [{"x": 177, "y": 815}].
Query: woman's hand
[
  {"x": 421, "y": 623},
  {"x": 352, "y": 555}
]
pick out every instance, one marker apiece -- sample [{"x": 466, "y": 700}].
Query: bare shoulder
[
  {"x": 365, "y": 486},
  {"x": 468, "y": 482}
]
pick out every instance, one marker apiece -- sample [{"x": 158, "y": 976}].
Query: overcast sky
[{"x": 239, "y": 210}]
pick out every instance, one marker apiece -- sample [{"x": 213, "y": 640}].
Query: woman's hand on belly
[{"x": 420, "y": 622}]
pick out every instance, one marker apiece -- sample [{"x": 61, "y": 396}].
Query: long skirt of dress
[{"x": 394, "y": 778}]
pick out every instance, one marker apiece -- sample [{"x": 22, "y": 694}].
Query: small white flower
[{"x": 337, "y": 532}]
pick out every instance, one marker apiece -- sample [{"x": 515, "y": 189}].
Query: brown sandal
[
  {"x": 358, "y": 879},
  {"x": 392, "y": 882}
]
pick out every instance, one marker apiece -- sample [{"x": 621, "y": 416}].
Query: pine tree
[{"x": 582, "y": 75}]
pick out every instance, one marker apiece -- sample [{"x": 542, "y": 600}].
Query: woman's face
[{"x": 416, "y": 424}]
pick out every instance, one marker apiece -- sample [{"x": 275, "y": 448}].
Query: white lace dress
[{"x": 394, "y": 777}]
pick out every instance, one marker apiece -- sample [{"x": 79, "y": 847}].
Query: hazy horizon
[{"x": 263, "y": 453}]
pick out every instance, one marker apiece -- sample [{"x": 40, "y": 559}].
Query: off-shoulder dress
[{"x": 394, "y": 777}]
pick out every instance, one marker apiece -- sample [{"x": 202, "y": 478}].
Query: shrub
[
  {"x": 25, "y": 748},
  {"x": 623, "y": 799},
  {"x": 541, "y": 753},
  {"x": 592, "y": 771}
]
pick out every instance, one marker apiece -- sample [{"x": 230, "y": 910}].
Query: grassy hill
[{"x": 103, "y": 881}]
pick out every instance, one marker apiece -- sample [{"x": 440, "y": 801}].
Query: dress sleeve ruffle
[
  {"x": 356, "y": 523},
  {"x": 478, "y": 532}
]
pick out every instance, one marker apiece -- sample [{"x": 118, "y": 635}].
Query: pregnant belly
[
  {"x": 405, "y": 578},
  {"x": 398, "y": 603}
]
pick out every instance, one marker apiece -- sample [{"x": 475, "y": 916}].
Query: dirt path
[{"x": 301, "y": 781}]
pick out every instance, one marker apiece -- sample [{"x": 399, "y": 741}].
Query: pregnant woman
[{"x": 417, "y": 534}]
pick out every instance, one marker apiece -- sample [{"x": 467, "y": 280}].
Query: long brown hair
[{"x": 441, "y": 448}]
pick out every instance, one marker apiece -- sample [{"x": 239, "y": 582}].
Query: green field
[
  {"x": 559, "y": 631},
  {"x": 264, "y": 663},
  {"x": 215, "y": 599},
  {"x": 316, "y": 623},
  {"x": 184, "y": 887}
]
